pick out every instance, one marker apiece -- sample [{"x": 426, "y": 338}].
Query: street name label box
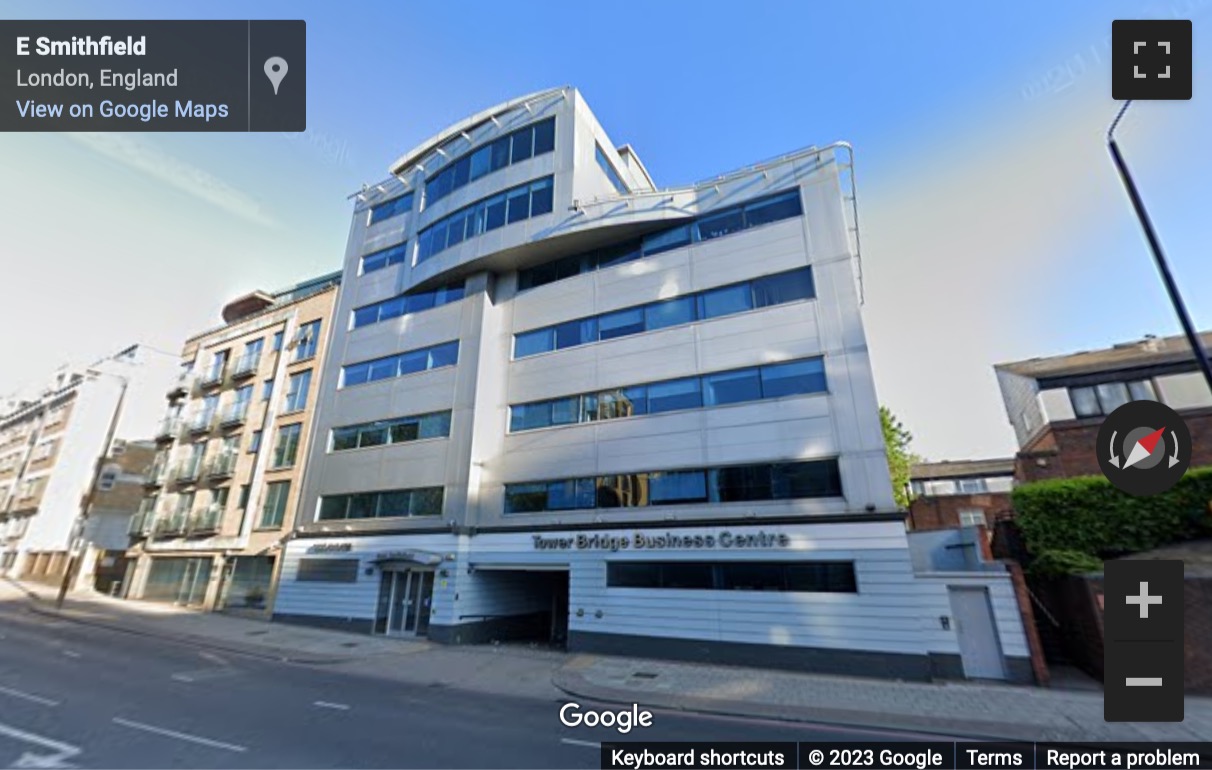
[{"x": 118, "y": 75}]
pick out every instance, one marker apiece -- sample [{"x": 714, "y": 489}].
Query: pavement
[{"x": 966, "y": 709}]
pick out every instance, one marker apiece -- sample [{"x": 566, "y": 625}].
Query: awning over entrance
[{"x": 406, "y": 559}]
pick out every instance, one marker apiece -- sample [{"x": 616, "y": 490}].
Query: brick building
[
  {"x": 964, "y": 493},
  {"x": 1056, "y": 404}
]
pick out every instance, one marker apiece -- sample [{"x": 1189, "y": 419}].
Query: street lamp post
[
  {"x": 73, "y": 560},
  {"x": 1159, "y": 257}
]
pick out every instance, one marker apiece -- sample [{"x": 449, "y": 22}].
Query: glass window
[
  {"x": 752, "y": 576},
  {"x": 456, "y": 227},
  {"x": 621, "y": 574},
  {"x": 462, "y": 172},
  {"x": 544, "y": 136},
  {"x": 274, "y": 510},
  {"x": 623, "y": 402},
  {"x": 333, "y": 507},
  {"x": 570, "y": 494},
  {"x": 1142, "y": 390},
  {"x": 529, "y": 416},
  {"x": 671, "y": 312},
  {"x": 374, "y": 434},
  {"x": 972, "y": 486},
  {"x": 344, "y": 438},
  {"x": 444, "y": 355},
  {"x": 725, "y": 301},
  {"x": 617, "y": 255},
  {"x": 572, "y": 333},
  {"x": 481, "y": 162},
  {"x": 378, "y": 260},
  {"x": 677, "y": 487},
  {"x": 523, "y": 144},
  {"x": 565, "y": 411},
  {"x": 741, "y": 483},
  {"x": 1112, "y": 395},
  {"x": 308, "y": 339},
  {"x": 494, "y": 215},
  {"x": 500, "y": 153},
  {"x": 807, "y": 479},
  {"x": 533, "y": 343},
  {"x": 784, "y": 287},
  {"x": 384, "y": 368},
  {"x": 363, "y": 506},
  {"x": 817, "y": 577},
  {"x": 394, "y": 503},
  {"x": 541, "y": 197},
  {"x": 721, "y": 224},
  {"x": 296, "y": 391},
  {"x": 391, "y": 208},
  {"x": 732, "y": 387},
  {"x": 364, "y": 316},
  {"x": 286, "y": 448},
  {"x": 612, "y": 175},
  {"x": 426, "y": 502},
  {"x": 525, "y": 498},
  {"x": 404, "y": 430},
  {"x": 1085, "y": 402},
  {"x": 793, "y": 377},
  {"x": 254, "y": 441},
  {"x": 669, "y": 239},
  {"x": 277, "y": 341},
  {"x": 519, "y": 205},
  {"x": 355, "y": 374},
  {"x": 773, "y": 209},
  {"x": 686, "y": 575},
  {"x": 621, "y": 323},
  {"x": 435, "y": 425},
  {"x": 674, "y": 394}
]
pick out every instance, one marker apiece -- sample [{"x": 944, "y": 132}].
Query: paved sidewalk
[
  {"x": 962, "y": 709},
  {"x": 954, "y": 709}
]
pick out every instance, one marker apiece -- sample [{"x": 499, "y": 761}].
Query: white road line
[
  {"x": 72, "y": 654},
  {"x": 63, "y": 751},
  {"x": 179, "y": 736},
  {"x": 328, "y": 705},
  {"x": 575, "y": 742},
  {"x": 27, "y": 696}
]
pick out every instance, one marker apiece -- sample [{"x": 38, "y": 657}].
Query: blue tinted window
[
  {"x": 784, "y": 287},
  {"x": 538, "y": 138},
  {"x": 677, "y": 487},
  {"x": 621, "y": 323},
  {"x": 573, "y": 333},
  {"x": 513, "y": 205},
  {"x": 674, "y": 394},
  {"x": 414, "y": 361},
  {"x": 607, "y": 167},
  {"x": 444, "y": 355},
  {"x": 391, "y": 208},
  {"x": 532, "y": 343},
  {"x": 719, "y": 225},
  {"x": 522, "y": 145},
  {"x": 773, "y": 209},
  {"x": 381, "y": 259},
  {"x": 356, "y": 374},
  {"x": 544, "y": 136},
  {"x": 529, "y": 416},
  {"x": 669, "y": 313},
  {"x": 406, "y": 303},
  {"x": 540, "y": 197},
  {"x": 725, "y": 301},
  {"x": 500, "y": 153},
  {"x": 570, "y": 494},
  {"x": 793, "y": 377},
  {"x": 365, "y": 315},
  {"x": 494, "y": 214},
  {"x": 384, "y": 368},
  {"x": 404, "y": 363},
  {"x": 670, "y": 239},
  {"x": 731, "y": 387},
  {"x": 519, "y": 205},
  {"x": 481, "y": 162}
]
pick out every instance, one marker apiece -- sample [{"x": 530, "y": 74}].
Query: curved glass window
[{"x": 527, "y": 142}]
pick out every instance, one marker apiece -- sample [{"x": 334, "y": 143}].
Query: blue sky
[{"x": 994, "y": 227}]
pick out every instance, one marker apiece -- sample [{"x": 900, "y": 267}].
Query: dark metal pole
[
  {"x": 1159, "y": 257},
  {"x": 69, "y": 573}
]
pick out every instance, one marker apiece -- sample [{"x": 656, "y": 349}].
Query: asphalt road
[{"x": 74, "y": 695}]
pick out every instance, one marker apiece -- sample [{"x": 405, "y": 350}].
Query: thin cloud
[{"x": 148, "y": 159}]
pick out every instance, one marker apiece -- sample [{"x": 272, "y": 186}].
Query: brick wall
[
  {"x": 942, "y": 511},
  {"x": 1067, "y": 449}
]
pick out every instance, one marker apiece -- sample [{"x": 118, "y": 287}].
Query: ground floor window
[
  {"x": 178, "y": 580},
  {"x": 249, "y": 582},
  {"x": 801, "y": 576}
]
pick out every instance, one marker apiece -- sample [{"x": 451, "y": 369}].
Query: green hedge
[{"x": 1063, "y": 519}]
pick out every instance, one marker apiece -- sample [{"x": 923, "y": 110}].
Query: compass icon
[{"x": 1144, "y": 448}]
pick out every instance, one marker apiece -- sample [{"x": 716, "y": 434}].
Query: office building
[
  {"x": 222, "y": 492},
  {"x": 52, "y": 439},
  {"x": 1057, "y": 403},
  {"x": 563, "y": 403}
]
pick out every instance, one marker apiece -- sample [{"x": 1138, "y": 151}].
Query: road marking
[
  {"x": 328, "y": 705},
  {"x": 63, "y": 751},
  {"x": 179, "y": 736},
  {"x": 204, "y": 673},
  {"x": 72, "y": 654},
  {"x": 575, "y": 742},
  {"x": 27, "y": 696}
]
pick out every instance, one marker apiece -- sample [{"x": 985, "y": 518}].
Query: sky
[{"x": 993, "y": 225}]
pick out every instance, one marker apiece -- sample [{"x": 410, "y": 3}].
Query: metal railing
[
  {"x": 234, "y": 414},
  {"x": 212, "y": 376},
  {"x": 170, "y": 524},
  {"x": 222, "y": 465},
  {"x": 202, "y": 422},
  {"x": 246, "y": 366},
  {"x": 205, "y": 519},
  {"x": 169, "y": 428},
  {"x": 187, "y": 471}
]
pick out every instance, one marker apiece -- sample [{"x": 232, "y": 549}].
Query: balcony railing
[
  {"x": 246, "y": 366},
  {"x": 170, "y": 524},
  {"x": 234, "y": 414},
  {"x": 187, "y": 471},
  {"x": 155, "y": 475},
  {"x": 169, "y": 428},
  {"x": 182, "y": 385},
  {"x": 222, "y": 465},
  {"x": 205, "y": 520},
  {"x": 141, "y": 523},
  {"x": 201, "y": 423},
  {"x": 212, "y": 376}
]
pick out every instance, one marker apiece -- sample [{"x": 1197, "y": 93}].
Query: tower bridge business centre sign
[{"x": 647, "y": 541}]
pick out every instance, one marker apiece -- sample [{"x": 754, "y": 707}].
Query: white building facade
[{"x": 563, "y": 404}]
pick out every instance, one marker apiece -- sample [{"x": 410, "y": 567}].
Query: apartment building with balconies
[
  {"x": 53, "y": 447},
  {"x": 222, "y": 491},
  {"x": 565, "y": 404}
]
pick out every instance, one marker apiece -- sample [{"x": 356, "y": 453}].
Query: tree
[{"x": 896, "y": 443}]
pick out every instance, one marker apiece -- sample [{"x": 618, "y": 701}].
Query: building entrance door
[
  {"x": 194, "y": 579},
  {"x": 405, "y": 597},
  {"x": 980, "y": 649}
]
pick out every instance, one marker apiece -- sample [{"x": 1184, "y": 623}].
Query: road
[{"x": 75, "y": 695}]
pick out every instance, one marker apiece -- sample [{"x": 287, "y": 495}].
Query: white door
[{"x": 980, "y": 648}]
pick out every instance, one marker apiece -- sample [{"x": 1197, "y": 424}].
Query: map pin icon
[{"x": 275, "y": 70}]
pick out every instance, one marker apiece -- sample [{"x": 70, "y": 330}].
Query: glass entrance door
[
  {"x": 194, "y": 578},
  {"x": 406, "y": 596}
]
